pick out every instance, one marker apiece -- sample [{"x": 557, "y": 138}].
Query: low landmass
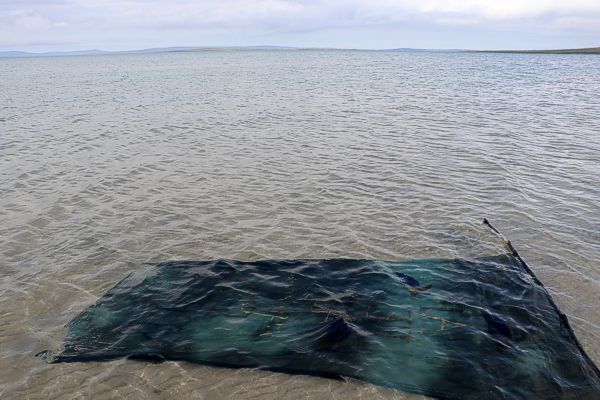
[
  {"x": 52, "y": 53},
  {"x": 95, "y": 52},
  {"x": 140, "y": 51},
  {"x": 587, "y": 50}
]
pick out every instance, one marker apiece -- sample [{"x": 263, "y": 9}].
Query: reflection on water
[{"x": 111, "y": 161}]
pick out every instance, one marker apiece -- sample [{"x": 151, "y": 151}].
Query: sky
[{"x": 59, "y": 25}]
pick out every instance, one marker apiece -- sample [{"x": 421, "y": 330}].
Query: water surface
[{"x": 108, "y": 162}]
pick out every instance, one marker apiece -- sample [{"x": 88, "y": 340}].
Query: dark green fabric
[{"x": 451, "y": 329}]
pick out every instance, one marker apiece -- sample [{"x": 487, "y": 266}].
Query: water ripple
[{"x": 109, "y": 162}]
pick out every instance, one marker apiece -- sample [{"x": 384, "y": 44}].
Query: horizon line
[{"x": 21, "y": 53}]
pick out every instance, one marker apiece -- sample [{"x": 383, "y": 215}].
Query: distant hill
[
  {"x": 407, "y": 49},
  {"x": 141, "y": 51},
  {"x": 591, "y": 50},
  {"x": 14, "y": 54},
  {"x": 411, "y": 50},
  {"x": 588, "y": 50},
  {"x": 52, "y": 53}
]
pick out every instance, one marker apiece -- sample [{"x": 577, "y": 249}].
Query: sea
[{"x": 110, "y": 162}]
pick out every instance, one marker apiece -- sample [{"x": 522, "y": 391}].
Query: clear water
[{"x": 107, "y": 162}]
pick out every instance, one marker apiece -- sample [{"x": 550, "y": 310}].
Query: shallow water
[{"x": 108, "y": 162}]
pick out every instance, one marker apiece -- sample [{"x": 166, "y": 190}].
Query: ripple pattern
[{"x": 108, "y": 162}]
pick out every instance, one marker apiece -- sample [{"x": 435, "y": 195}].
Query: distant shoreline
[
  {"x": 588, "y": 50},
  {"x": 23, "y": 54}
]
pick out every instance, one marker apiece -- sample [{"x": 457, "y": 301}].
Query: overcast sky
[{"x": 46, "y": 25}]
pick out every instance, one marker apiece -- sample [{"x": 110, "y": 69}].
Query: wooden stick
[{"x": 507, "y": 242}]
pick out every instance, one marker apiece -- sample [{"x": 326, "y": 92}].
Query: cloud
[
  {"x": 324, "y": 13},
  {"x": 101, "y": 20}
]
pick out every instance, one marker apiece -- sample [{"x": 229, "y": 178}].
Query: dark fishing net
[{"x": 446, "y": 328}]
